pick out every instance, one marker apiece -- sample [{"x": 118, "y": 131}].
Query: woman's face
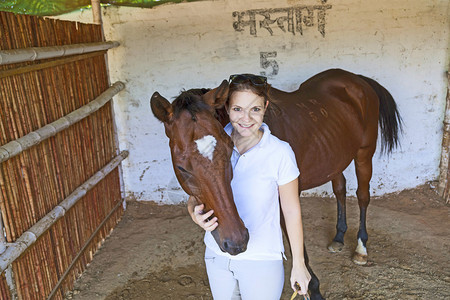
[{"x": 246, "y": 111}]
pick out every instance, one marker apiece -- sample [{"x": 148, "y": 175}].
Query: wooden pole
[
  {"x": 30, "y": 236},
  {"x": 96, "y": 11},
  {"x": 36, "y": 53},
  {"x": 2, "y": 236},
  {"x": 10, "y": 281},
  {"x": 21, "y": 144},
  {"x": 443, "y": 187},
  {"x": 48, "y": 64}
]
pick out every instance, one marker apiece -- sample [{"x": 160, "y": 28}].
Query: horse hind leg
[
  {"x": 363, "y": 166},
  {"x": 339, "y": 190}
]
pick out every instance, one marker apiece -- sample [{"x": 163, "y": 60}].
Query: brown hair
[{"x": 261, "y": 90}]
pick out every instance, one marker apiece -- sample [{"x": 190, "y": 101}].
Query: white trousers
[{"x": 232, "y": 279}]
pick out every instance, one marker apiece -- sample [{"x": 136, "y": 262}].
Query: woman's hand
[
  {"x": 204, "y": 220},
  {"x": 301, "y": 276}
]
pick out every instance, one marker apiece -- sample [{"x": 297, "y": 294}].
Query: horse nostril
[{"x": 233, "y": 247}]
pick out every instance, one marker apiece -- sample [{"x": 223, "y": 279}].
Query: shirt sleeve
[{"x": 288, "y": 169}]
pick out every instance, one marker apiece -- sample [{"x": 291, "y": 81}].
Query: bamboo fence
[{"x": 36, "y": 180}]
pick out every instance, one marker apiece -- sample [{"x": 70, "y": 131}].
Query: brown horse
[
  {"x": 192, "y": 128},
  {"x": 329, "y": 121}
]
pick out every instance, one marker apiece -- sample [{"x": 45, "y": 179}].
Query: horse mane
[{"x": 191, "y": 101}]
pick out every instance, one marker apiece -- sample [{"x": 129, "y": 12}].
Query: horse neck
[
  {"x": 279, "y": 102},
  {"x": 283, "y": 109},
  {"x": 279, "y": 97}
]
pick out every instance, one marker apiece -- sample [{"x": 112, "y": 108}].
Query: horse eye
[{"x": 181, "y": 169}]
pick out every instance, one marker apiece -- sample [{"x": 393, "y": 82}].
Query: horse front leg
[
  {"x": 314, "y": 284},
  {"x": 339, "y": 190}
]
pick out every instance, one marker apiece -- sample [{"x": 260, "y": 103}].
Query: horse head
[{"x": 201, "y": 152}]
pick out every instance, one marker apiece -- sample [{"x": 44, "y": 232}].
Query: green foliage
[{"x": 58, "y": 7}]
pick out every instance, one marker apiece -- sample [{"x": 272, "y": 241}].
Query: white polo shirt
[{"x": 256, "y": 176}]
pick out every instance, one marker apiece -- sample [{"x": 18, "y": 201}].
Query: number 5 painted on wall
[{"x": 269, "y": 63}]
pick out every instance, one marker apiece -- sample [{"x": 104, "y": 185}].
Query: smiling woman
[
  {"x": 247, "y": 104},
  {"x": 246, "y": 112},
  {"x": 265, "y": 175}
]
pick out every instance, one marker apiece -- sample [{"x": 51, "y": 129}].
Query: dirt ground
[{"x": 156, "y": 252}]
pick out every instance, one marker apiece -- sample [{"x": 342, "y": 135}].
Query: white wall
[{"x": 403, "y": 44}]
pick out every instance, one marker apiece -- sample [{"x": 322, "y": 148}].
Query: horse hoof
[
  {"x": 335, "y": 247},
  {"x": 317, "y": 297},
  {"x": 359, "y": 259}
]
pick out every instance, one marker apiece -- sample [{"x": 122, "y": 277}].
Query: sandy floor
[{"x": 156, "y": 252}]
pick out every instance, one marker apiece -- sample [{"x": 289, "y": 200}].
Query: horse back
[{"x": 326, "y": 121}]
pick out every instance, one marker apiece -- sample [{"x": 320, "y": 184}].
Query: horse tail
[{"x": 391, "y": 123}]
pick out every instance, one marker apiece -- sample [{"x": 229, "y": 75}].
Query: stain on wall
[{"x": 268, "y": 63}]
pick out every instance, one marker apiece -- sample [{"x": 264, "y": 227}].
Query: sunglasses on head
[{"x": 254, "y": 79}]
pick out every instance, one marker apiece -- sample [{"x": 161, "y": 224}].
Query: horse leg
[
  {"x": 363, "y": 166},
  {"x": 339, "y": 191},
  {"x": 314, "y": 284}
]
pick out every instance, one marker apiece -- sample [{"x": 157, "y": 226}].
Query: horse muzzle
[{"x": 233, "y": 246}]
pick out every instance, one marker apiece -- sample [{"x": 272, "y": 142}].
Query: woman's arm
[
  {"x": 199, "y": 216},
  {"x": 290, "y": 206}
]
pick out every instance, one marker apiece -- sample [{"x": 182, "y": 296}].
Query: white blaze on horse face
[{"x": 206, "y": 146}]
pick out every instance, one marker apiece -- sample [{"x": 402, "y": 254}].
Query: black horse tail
[{"x": 391, "y": 123}]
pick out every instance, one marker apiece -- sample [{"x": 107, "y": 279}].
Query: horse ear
[
  {"x": 217, "y": 97},
  {"x": 161, "y": 108}
]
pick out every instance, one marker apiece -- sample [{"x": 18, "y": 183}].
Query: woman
[{"x": 265, "y": 175}]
